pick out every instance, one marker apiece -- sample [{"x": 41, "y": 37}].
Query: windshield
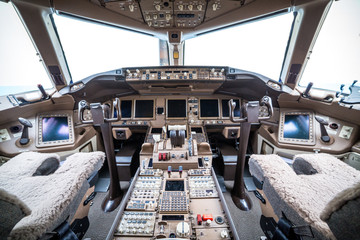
[
  {"x": 21, "y": 69},
  {"x": 92, "y": 48},
  {"x": 258, "y": 46},
  {"x": 335, "y": 58}
]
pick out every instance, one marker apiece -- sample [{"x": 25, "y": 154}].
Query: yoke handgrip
[
  {"x": 266, "y": 100},
  {"x": 85, "y": 105}
]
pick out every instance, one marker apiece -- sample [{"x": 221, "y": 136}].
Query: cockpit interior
[{"x": 179, "y": 119}]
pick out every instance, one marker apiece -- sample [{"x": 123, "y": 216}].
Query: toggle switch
[
  {"x": 169, "y": 171},
  {"x": 199, "y": 219},
  {"x": 207, "y": 217},
  {"x": 180, "y": 170}
]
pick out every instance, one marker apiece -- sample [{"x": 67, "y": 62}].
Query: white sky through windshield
[{"x": 256, "y": 46}]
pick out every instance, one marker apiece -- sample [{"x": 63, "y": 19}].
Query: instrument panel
[{"x": 207, "y": 110}]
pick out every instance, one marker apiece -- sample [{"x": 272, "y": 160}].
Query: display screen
[
  {"x": 55, "y": 129},
  {"x": 125, "y": 107},
  {"x": 297, "y": 126},
  {"x": 174, "y": 186},
  {"x": 225, "y": 108},
  {"x": 144, "y": 108},
  {"x": 176, "y": 108},
  {"x": 209, "y": 108}
]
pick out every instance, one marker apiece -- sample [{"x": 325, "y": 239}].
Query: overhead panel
[{"x": 164, "y": 14}]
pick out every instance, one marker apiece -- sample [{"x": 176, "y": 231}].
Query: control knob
[
  {"x": 25, "y": 134},
  {"x": 214, "y": 6},
  {"x": 182, "y": 230},
  {"x": 224, "y": 234},
  {"x": 131, "y": 8},
  {"x": 157, "y": 7}
]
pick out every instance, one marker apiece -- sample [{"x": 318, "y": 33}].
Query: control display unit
[
  {"x": 174, "y": 185},
  {"x": 54, "y": 129},
  {"x": 176, "y": 108},
  {"x": 209, "y": 108},
  {"x": 144, "y": 108},
  {"x": 297, "y": 128}
]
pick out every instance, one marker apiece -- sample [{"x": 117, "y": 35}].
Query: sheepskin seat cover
[
  {"x": 303, "y": 197},
  {"x": 48, "y": 197}
]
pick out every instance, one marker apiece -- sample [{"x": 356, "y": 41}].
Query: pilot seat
[
  {"x": 318, "y": 197},
  {"x": 39, "y": 195}
]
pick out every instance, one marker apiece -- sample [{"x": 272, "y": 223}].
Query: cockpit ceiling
[
  {"x": 169, "y": 13},
  {"x": 163, "y": 17}
]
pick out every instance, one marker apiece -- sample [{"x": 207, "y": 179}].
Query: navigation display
[
  {"x": 174, "y": 186},
  {"x": 144, "y": 109},
  {"x": 55, "y": 129},
  {"x": 125, "y": 107},
  {"x": 297, "y": 126},
  {"x": 176, "y": 108},
  {"x": 209, "y": 108},
  {"x": 225, "y": 108}
]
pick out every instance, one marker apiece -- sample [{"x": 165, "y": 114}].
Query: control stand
[
  {"x": 174, "y": 203},
  {"x": 251, "y": 115},
  {"x": 101, "y": 117}
]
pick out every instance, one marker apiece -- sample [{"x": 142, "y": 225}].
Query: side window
[
  {"x": 335, "y": 57},
  {"x": 20, "y": 67}
]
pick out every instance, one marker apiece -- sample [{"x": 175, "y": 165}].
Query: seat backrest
[
  {"x": 12, "y": 211},
  {"x": 342, "y": 213}
]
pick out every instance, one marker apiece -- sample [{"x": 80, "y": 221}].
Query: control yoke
[
  {"x": 101, "y": 117},
  {"x": 266, "y": 100},
  {"x": 250, "y": 115},
  {"x": 85, "y": 105}
]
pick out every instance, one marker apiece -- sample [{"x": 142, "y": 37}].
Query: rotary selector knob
[
  {"x": 224, "y": 234},
  {"x": 181, "y": 7},
  {"x": 157, "y": 7},
  {"x": 131, "y": 8},
  {"x": 215, "y": 6},
  {"x": 182, "y": 229}
]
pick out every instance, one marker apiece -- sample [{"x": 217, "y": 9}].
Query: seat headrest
[
  {"x": 302, "y": 167},
  {"x": 47, "y": 167}
]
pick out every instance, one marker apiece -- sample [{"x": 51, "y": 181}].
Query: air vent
[
  {"x": 56, "y": 75},
  {"x": 294, "y": 71}
]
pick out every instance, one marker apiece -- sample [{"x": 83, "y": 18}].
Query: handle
[
  {"x": 266, "y": 100},
  {"x": 85, "y": 105},
  {"x": 232, "y": 106}
]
